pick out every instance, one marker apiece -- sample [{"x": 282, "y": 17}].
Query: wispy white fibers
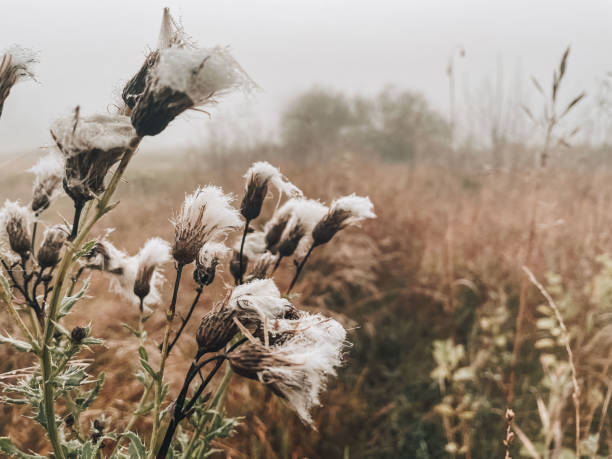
[
  {"x": 20, "y": 61},
  {"x": 206, "y": 216},
  {"x": 264, "y": 172},
  {"x": 211, "y": 253},
  {"x": 75, "y": 134},
  {"x": 254, "y": 245},
  {"x": 48, "y": 174},
  {"x": 315, "y": 351},
  {"x": 200, "y": 73},
  {"x": 15, "y": 224},
  {"x": 148, "y": 279},
  {"x": 259, "y": 299},
  {"x": 358, "y": 208},
  {"x": 305, "y": 213}
]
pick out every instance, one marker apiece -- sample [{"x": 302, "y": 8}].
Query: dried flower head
[
  {"x": 206, "y": 216},
  {"x": 346, "y": 211},
  {"x": 206, "y": 264},
  {"x": 217, "y": 328},
  {"x": 183, "y": 78},
  {"x": 259, "y": 175},
  {"x": 91, "y": 146},
  {"x": 258, "y": 300},
  {"x": 49, "y": 253},
  {"x": 261, "y": 266},
  {"x": 305, "y": 213},
  {"x": 170, "y": 34},
  {"x": 16, "y": 221},
  {"x": 15, "y": 65},
  {"x": 48, "y": 174},
  {"x": 151, "y": 257},
  {"x": 104, "y": 256},
  {"x": 297, "y": 367}
]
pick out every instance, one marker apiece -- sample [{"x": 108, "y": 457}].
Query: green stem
[
  {"x": 56, "y": 296},
  {"x": 159, "y": 380}
]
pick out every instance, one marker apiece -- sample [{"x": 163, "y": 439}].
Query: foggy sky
[{"x": 89, "y": 48}]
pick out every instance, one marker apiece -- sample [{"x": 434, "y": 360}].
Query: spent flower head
[
  {"x": 209, "y": 257},
  {"x": 258, "y": 177},
  {"x": 15, "y": 65},
  {"x": 15, "y": 223},
  {"x": 346, "y": 211},
  {"x": 150, "y": 258},
  {"x": 48, "y": 174},
  {"x": 296, "y": 368},
  {"x": 258, "y": 300},
  {"x": 206, "y": 216},
  {"x": 49, "y": 253},
  {"x": 91, "y": 146},
  {"x": 305, "y": 213},
  {"x": 184, "y": 78}
]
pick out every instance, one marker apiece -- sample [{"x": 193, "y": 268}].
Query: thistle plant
[{"x": 252, "y": 330}]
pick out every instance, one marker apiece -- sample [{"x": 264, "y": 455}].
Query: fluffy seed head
[
  {"x": 91, "y": 146},
  {"x": 305, "y": 213},
  {"x": 48, "y": 174},
  {"x": 258, "y": 300},
  {"x": 258, "y": 177},
  {"x": 15, "y": 222},
  {"x": 182, "y": 78},
  {"x": 154, "y": 254},
  {"x": 206, "y": 216},
  {"x": 217, "y": 328},
  {"x": 51, "y": 246},
  {"x": 305, "y": 351},
  {"x": 206, "y": 264},
  {"x": 262, "y": 265},
  {"x": 346, "y": 211},
  {"x": 16, "y": 65}
]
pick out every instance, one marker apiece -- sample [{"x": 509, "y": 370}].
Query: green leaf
[
  {"x": 7, "y": 447},
  {"x": 69, "y": 301},
  {"x": 143, "y": 353},
  {"x": 91, "y": 396},
  {"x": 21, "y": 346},
  {"x": 131, "y": 330},
  {"x": 137, "y": 448},
  {"x": 148, "y": 369}
]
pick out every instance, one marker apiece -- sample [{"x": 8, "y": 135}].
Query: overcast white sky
[{"x": 89, "y": 48}]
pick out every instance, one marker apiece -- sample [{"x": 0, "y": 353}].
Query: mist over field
[{"x": 352, "y": 229}]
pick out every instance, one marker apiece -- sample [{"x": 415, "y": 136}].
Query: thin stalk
[
  {"x": 244, "y": 235},
  {"x": 134, "y": 417},
  {"x": 179, "y": 412},
  {"x": 34, "y": 226},
  {"x": 277, "y": 264},
  {"x": 56, "y": 296},
  {"x": 299, "y": 269},
  {"x": 189, "y": 314},
  {"x": 78, "y": 209},
  {"x": 159, "y": 380}
]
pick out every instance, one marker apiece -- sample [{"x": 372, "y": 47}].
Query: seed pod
[
  {"x": 216, "y": 329},
  {"x": 16, "y": 221},
  {"x": 78, "y": 334},
  {"x": 287, "y": 246},
  {"x": 51, "y": 247}
]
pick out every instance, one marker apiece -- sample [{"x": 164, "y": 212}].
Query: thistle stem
[
  {"x": 179, "y": 412},
  {"x": 78, "y": 209},
  {"x": 56, "y": 296},
  {"x": 186, "y": 319},
  {"x": 244, "y": 235},
  {"x": 277, "y": 264},
  {"x": 159, "y": 379},
  {"x": 34, "y": 226},
  {"x": 299, "y": 269}
]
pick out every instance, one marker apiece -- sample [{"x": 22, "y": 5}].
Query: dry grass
[{"x": 439, "y": 232}]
